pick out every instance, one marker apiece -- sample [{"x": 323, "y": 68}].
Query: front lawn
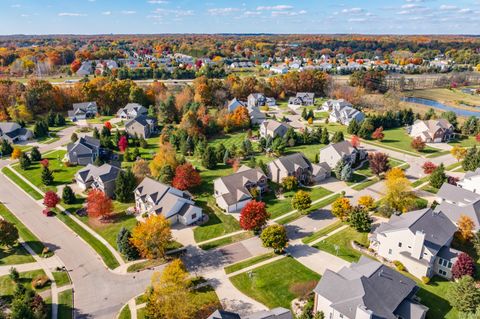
[
  {"x": 7, "y": 286},
  {"x": 249, "y": 262},
  {"x": 21, "y": 183},
  {"x": 65, "y": 304},
  {"x": 398, "y": 139},
  {"x": 61, "y": 278},
  {"x": 276, "y": 284},
  {"x": 226, "y": 241},
  {"x": 464, "y": 141},
  {"x": 322, "y": 232},
  {"x": 342, "y": 240}
]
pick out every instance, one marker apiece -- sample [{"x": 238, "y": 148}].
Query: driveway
[{"x": 315, "y": 259}]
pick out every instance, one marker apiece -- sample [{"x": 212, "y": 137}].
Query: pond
[{"x": 440, "y": 106}]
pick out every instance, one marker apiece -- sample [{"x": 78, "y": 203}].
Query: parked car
[{"x": 47, "y": 212}]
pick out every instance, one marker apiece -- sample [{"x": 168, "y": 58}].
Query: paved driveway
[{"x": 315, "y": 259}]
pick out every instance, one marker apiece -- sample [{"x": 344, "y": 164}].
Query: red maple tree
[
  {"x": 186, "y": 177},
  {"x": 123, "y": 143},
  {"x": 98, "y": 204},
  {"x": 108, "y": 125},
  {"x": 418, "y": 144},
  {"x": 254, "y": 216},
  {"x": 429, "y": 167},
  {"x": 378, "y": 134},
  {"x": 464, "y": 266},
  {"x": 44, "y": 162},
  {"x": 355, "y": 141},
  {"x": 51, "y": 199}
]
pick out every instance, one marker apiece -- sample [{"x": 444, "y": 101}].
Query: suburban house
[
  {"x": 256, "y": 116},
  {"x": 233, "y": 192},
  {"x": 13, "y": 132},
  {"x": 431, "y": 131},
  {"x": 273, "y": 129},
  {"x": 131, "y": 111},
  {"x": 141, "y": 126},
  {"x": 85, "y": 69},
  {"x": 276, "y": 313},
  {"x": 102, "y": 178},
  {"x": 301, "y": 99},
  {"x": 342, "y": 112},
  {"x": 258, "y": 99},
  {"x": 420, "y": 240},
  {"x": 471, "y": 181},
  {"x": 456, "y": 201},
  {"x": 367, "y": 289},
  {"x": 82, "y": 111},
  {"x": 299, "y": 166},
  {"x": 153, "y": 197},
  {"x": 234, "y": 104},
  {"x": 333, "y": 153},
  {"x": 84, "y": 151}
]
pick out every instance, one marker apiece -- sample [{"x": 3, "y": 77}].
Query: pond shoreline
[{"x": 440, "y": 106}]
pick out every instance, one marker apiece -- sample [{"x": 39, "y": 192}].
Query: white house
[
  {"x": 234, "y": 104},
  {"x": 83, "y": 111},
  {"x": 131, "y": 111},
  {"x": 342, "y": 112},
  {"x": 299, "y": 166},
  {"x": 273, "y": 129},
  {"x": 432, "y": 131},
  {"x": 13, "y": 132},
  {"x": 333, "y": 153},
  {"x": 102, "y": 178},
  {"x": 471, "y": 181}
]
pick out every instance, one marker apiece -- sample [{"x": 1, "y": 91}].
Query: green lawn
[
  {"x": 21, "y": 183},
  {"x": 65, "y": 304},
  {"x": 228, "y": 140},
  {"x": 249, "y": 262},
  {"x": 398, "y": 138},
  {"x": 278, "y": 283},
  {"x": 100, "y": 119},
  {"x": 226, "y": 241},
  {"x": 322, "y": 232},
  {"x": 125, "y": 313},
  {"x": 366, "y": 184},
  {"x": 145, "y": 264},
  {"x": 434, "y": 297},
  {"x": 465, "y": 141},
  {"x": 61, "y": 278},
  {"x": 314, "y": 207},
  {"x": 343, "y": 241},
  {"x": 7, "y": 286}
]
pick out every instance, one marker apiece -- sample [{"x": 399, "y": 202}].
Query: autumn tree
[
  {"x": 99, "y": 205},
  {"x": 378, "y": 134},
  {"x": 275, "y": 237},
  {"x": 366, "y": 201},
  {"x": 51, "y": 199},
  {"x": 355, "y": 141},
  {"x": 418, "y": 144},
  {"x": 17, "y": 152},
  {"x": 254, "y": 216},
  {"x": 458, "y": 152},
  {"x": 466, "y": 226},
  {"x": 429, "y": 167},
  {"x": 152, "y": 237},
  {"x": 398, "y": 195},
  {"x": 341, "y": 208},
  {"x": 140, "y": 169},
  {"x": 301, "y": 201},
  {"x": 123, "y": 143},
  {"x": 165, "y": 155},
  {"x": 186, "y": 177},
  {"x": 289, "y": 183},
  {"x": 8, "y": 233},
  {"x": 463, "y": 266},
  {"x": 378, "y": 162}
]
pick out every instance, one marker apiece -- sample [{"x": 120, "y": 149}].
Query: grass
[
  {"x": 420, "y": 181},
  {"x": 454, "y": 167},
  {"x": 276, "y": 284},
  {"x": 324, "y": 231},
  {"x": 343, "y": 241},
  {"x": 366, "y": 184},
  {"x": 100, "y": 119},
  {"x": 22, "y": 184},
  {"x": 7, "y": 286},
  {"x": 61, "y": 278},
  {"x": 145, "y": 264},
  {"x": 226, "y": 241},
  {"x": 399, "y": 140},
  {"x": 100, "y": 248},
  {"x": 434, "y": 297},
  {"x": 228, "y": 140},
  {"x": 437, "y": 154},
  {"x": 314, "y": 207},
  {"x": 464, "y": 141},
  {"x": 141, "y": 299},
  {"x": 125, "y": 313},
  {"x": 429, "y": 188},
  {"x": 65, "y": 304},
  {"x": 141, "y": 313},
  {"x": 249, "y": 262}
]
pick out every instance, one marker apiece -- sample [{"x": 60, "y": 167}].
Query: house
[
  {"x": 102, "y": 178},
  {"x": 82, "y": 111},
  {"x": 367, "y": 290},
  {"x": 85, "y": 69},
  {"x": 420, "y": 240},
  {"x": 280, "y": 69},
  {"x": 131, "y": 111},
  {"x": 431, "y": 131},
  {"x": 301, "y": 99},
  {"x": 343, "y": 112},
  {"x": 455, "y": 201},
  {"x": 258, "y": 99},
  {"x": 276, "y": 313},
  {"x": 471, "y": 181},
  {"x": 141, "y": 126},
  {"x": 234, "y": 104},
  {"x": 333, "y": 153},
  {"x": 153, "y": 197},
  {"x": 299, "y": 166},
  {"x": 256, "y": 116},
  {"x": 233, "y": 192},
  {"x": 84, "y": 151},
  {"x": 13, "y": 132},
  {"x": 273, "y": 129}
]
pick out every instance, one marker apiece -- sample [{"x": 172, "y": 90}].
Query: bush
[
  {"x": 425, "y": 280},
  {"x": 13, "y": 274},
  {"x": 399, "y": 265},
  {"x": 40, "y": 281}
]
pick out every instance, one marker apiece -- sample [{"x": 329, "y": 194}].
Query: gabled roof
[
  {"x": 291, "y": 163},
  {"x": 457, "y": 202},
  {"x": 272, "y": 125},
  {"x": 341, "y": 148},
  {"x": 84, "y": 105},
  {"x": 105, "y": 172},
  {"x": 143, "y": 120},
  {"x": 84, "y": 145},
  {"x": 222, "y": 314},
  {"x": 133, "y": 107},
  {"x": 235, "y": 183}
]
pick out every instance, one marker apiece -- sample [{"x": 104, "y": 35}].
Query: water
[{"x": 438, "y": 105}]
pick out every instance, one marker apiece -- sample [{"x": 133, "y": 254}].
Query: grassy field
[
  {"x": 278, "y": 283},
  {"x": 398, "y": 138},
  {"x": 22, "y": 184},
  {"x": 467, "y": 141},
  {"x": 343, "y": 241},
  {"x": 248, "y": 262},
  {"x": 61, "y": 278},
  {"x": 314, "y": 207},
  {"x": 65, "y": 304},
  {"x": 453, "y": 97}
]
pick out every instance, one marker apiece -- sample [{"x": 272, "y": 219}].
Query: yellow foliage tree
[
  {"x": 152, "y": 237},
  {"x": 366, "y": 201},
  {"x": 165, "y": 155},
  {"x": 458, "y": 152},
  {"x": 17, "y": 152},
  {"x": 20, "y": 112},
  {"x": 341, "y": 208},
  {"x": 465, "y": 228},
  {"x": 398, "y": 195}
]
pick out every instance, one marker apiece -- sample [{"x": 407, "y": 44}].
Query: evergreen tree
[
  {"x": 252, "y": 163},
  {"x": 338, "y": 168},
  {"x": 135, "y": 154},
  {"x": 347, "y": 173},
  {"x": 59, "y": 120},
  {"x": 304, "y": 114},
  {"x": 124, "y": 186},
  {"x": 127, "y": 155},
  {"x": 247, "y": 147},
  {"x": 353, "y": 128},
  {"x": 220, "y": 153},
  {"x": 51, "y": 119},
  {"x": 316, "y": 160},
  {"x": 116, "y": 137},
  {"x": 96, "y": 134},
  {"x": 6, "y": 148},
  {"x": 105, "y": 132},
  {"x": 47, "y": 176},
  {"x": 324, "y": 139},
  {"x": 366, "y": 129},
  {"x": 40, "y": 129},
  {"x": 142, "y": 142},
  {"x": 166, "y": 174},
  {"x": 68, "y": 196},
  {"x": 24, "y": 161},
  {"x": 337, "y": 137},
  {"x": 438, "y": 177},
  {"x": 472, "y": 160},
  {"x": 262, "y": 166},
  {"x": 35, "y": 155},
  {"x": 124, "y": 246},
  {"x": 208, "y": 159}
]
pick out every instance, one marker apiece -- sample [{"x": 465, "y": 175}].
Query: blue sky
[{"x": 249, "y": 16}]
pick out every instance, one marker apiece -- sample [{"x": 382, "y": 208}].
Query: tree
[
  {"x": 47, "y": 176},
  {"x": 186, "y": 177},
  {"x": 341, "y": 208},
  {"x": 398, "y": 196},
  {"x": 140, "y": 169},
  {"x": 35, "y": 154},
  {"x": 275, "y": 237},
  {"x": 165, "y": 155},
  {"x": 360, "y": 220},
  {"x": 25, "y": 161},
  {"x": 289, "y": 183},
  {"x": 347, "y": 173},
  {"x": 366, "y": 201},
  {"x": 466, "y": 227},
  {"x": 209, "y": 160},
  {"x": 98, "y": 204},
  {"x": 418, "y": 144},
  {"x": 301, "y": 201},
  {"x": 96, "y": 133},
  {"x": 254, "y": 216},
  {"x": 464, "y": 266},
  {"x": 378, "y": 134},
  {"x": 429, "y": 167},
  {"x": 438, "y": 177},
  {"x": 122, "y": 143},
  {"x": 166, "y": 174},
  {"x": 339, "y": 167},
  {"x": 464, "y": 295},
  {"x": 124, "y": 186},
  {"x": 17, "y": 152},
  {"x": 353, "y": 128},
  {"x": 338, "y": 137},
  {"x": 378, "y": 162},
  {"x": 51, "y": 199},
  {"x": 68, "y": 196},
  {"x": 324, "y": 138},
  {"x": 108, "y": 125},
  {"x": 171, "y": 295},
  {"x": 74, "y": 137},
  {"x": 152, "y": 237},
  {"x": 8, "y": 233},
  {"x": 6, "y": 148},
  {"x": 458, "y": 152},
  {"x": 355, "y": 141},
  {"x": 124, "y": 246}
]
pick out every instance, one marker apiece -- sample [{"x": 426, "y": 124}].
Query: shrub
[
  {"x": 40, "y": 281},
  {"x": 399, "y": 265},
  {"x": 13, "y": 274},
  {"x": 425, "y": 280}
]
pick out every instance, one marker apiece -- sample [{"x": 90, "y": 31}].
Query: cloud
[
  {"x": 222, "y": 11},
  {"x": 447, "y": 7},
  {"x": 288, "y": 13},
  {"x": 128, "y": 12},
  {"x": 357, "y": 20},
  {"x": 411, "y": 6},
  {"x": 157, "y": 1},
  {"x": 353, "y": 10},
  {"x": 71, "y": 14},
  {"x": 106, "y": 13},
  {"x": 252, "y": 13},
  {"x": 161, "y": 13},
  {"x": 280, "y": 7},
  {"x": 465, "y": 10}
]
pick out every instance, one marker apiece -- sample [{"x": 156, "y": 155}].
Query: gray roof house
[
  {"x": 102, "y": 178},
  {"x": 432, "y": 131},
  {"x": 153, "y": 197},
  {"x": 234, "y": 104},
  {"x": 456, "y": 201},
  {"x": 83, "y": 111},
  {"x": 13, "y": 132},
  {"x": 420, "y": 240},
  {"x": 471, "y": 181},
  {"x": 301, "y": 99},
  {"x": 333, "y": 153},
  {"x": 131, "y": 111},
  {"x": 299, "y": 166},
  {"x": 273, "y": 129},
  {"x": 232, "y": 192},
  {"x": 259, "y": 99},
  {"x": 85, "y": 69},
  {"x": 343, "y": 112},
  {"x": 84, "y": 151},
  {"x": 142, "y": 126},
  {"x": 367, "y": 290},
  {"x": 256, "y": 116},
  {"x": 276, "y": 313}
]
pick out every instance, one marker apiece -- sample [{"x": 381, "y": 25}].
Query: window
[
  {"x": 442, "y": 272},
  {"x": 399, "y": 244},
  {"x": 389, "y": 251},
  {"x": 194, "y": 216}
]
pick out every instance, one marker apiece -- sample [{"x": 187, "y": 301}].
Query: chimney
[{"x": 419, "y": 240}]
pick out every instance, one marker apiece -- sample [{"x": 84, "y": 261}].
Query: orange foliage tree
[
  {"x": 186, "y": 177},
  {"x": 99, "y": 205}
]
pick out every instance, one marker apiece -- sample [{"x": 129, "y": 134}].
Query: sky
[{"x": 248, "y": 16}]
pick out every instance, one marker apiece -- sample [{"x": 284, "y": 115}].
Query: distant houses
[
  {"x": 432, "y": 131},
  {"x": 271, "y": 128},
  {"x": 82, "y": 111},
  {"x": 301, "y": 99},
  {"x": 300, "y": 167},
  {"x": 84, "y": 151},
  {"x": 141, "y": 126},
  {"x": 14, "y": 133},
  {"x": 259, "y": 99},
  {"x": 342, "y": 112},
  {"x": 102, "y": 178},
  {"x": 333, "y": 153},
  {"x": 131, "y": 111}
]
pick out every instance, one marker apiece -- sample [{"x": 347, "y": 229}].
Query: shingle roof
[
  {"x": 235, "y": 183},
  {"x": 290, "y": 163},
  {"x": 143, "y": 120},
  {"x": 132, "y": 107},
  {"x": 222, "y": 314},
  {"x": 342, "y": 148},
  {"x": 105, "y": 172},
  {"x": 272, "y": 125}
]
